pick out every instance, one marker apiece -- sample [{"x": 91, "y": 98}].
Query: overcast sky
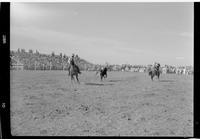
[{"x": 117, "y": 33}]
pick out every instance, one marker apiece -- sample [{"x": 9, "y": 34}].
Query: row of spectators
[
  {"x": 36, "y": 61},
  {"x": 142, "y": 68}
]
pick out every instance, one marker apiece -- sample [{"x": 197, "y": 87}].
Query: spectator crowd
[{"x": 23, "y": 60}]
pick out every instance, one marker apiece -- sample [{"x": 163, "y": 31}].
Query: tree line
[
  {"x": 37, "y": 61},
  {"x": 31, "y": 60}
]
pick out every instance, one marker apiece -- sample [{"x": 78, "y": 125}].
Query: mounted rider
[
  {"x": 71, "y": 62},
  {"x": 101, "y": 69},
  {"x": 156, "y": 66}
]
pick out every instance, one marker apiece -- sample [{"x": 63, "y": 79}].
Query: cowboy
[
  {"x": 101, "y": 69},
  {"x": 156, "y": 66},
  {"x": 71, "y": 62}
]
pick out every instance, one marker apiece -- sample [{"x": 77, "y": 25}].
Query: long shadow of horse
[
  {"x": 166, "y": 80},
  {"x": 114, "y": 80},
  {"x": 98, "y": 84}
]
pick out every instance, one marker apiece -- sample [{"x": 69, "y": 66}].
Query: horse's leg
[
  {"x": 77, "y": 79},
  {"x": 72, "y": 78},
  {"x": 152, "y": 77},
  {"x": 69, "y": 71},
  {"x": 101, "y": 77}
]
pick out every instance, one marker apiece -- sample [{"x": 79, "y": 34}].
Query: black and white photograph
[{"x": 102, "y": 69}]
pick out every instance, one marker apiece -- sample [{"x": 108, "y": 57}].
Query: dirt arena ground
[{"x": 45, "y": 103}]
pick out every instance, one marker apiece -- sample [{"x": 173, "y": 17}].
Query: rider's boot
[{"x": 69, "y": 71}]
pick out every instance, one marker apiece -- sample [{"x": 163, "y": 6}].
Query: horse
[
  {"x": 103, "y": 73},
  {"x": 154, "y": 72},
  {"x": 74, "y": 71}
]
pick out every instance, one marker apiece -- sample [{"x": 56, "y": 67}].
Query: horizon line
[{"x": 105, "y": 63}]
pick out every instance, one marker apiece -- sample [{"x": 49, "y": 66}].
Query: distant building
[{"x": 16, "y": 64}]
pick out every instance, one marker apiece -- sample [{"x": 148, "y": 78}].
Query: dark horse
[
  {"x": 103, "y": 73},
  {"x": 74, "y": 71},
  {"x": 154, "y": 72}
]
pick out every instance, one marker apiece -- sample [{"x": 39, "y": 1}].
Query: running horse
[
  {"x": 103, "y": 73},
  {"x": 154, "y": 71},
  {"x": 74, "y": 71}
]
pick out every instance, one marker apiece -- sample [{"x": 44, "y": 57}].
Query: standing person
[{"x": 158, "y": 67}]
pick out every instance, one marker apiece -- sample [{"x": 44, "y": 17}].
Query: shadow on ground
[
  {"x": 114, "y": 80},
  {"x": 97, "y": 84},
  {"x": 166, "y": 80}
]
